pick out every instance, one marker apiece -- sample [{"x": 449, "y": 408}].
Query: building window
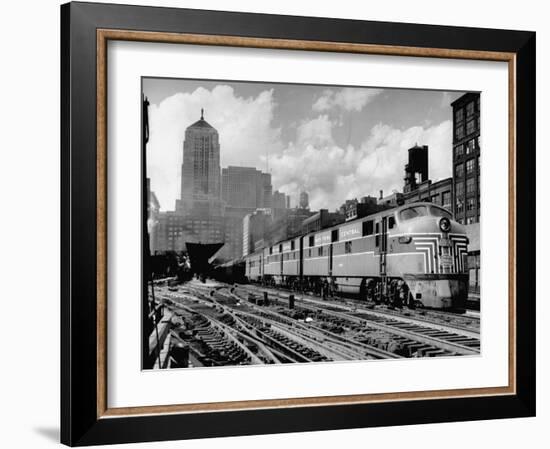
[
  {"x": 470, "y": 109},
  {"x": 469, "y": 220},
  {"x": 459, "y": 171},
  {"x": 459, "y": 188},
  {"x": 478, "y": 166},
  {"x": 470, "y": 204},
  {"x": 459, "y": 115},
  {"x": 459, "y": 150},
  {"x": 470, "y": 127},
  {"x": 434, "y": 199},
  {"x": 459, "y": 132},
  {"x": 459, "y": 206},
  {"x": 470, "y": 185},
  {"x": 470, "y": 146},
  {"x": 470, "y": 166},
  {"x": 347, "y": 248},
  {"x": 446, "y": 199}
]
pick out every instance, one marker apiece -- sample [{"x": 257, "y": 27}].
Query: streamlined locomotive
[{"x": 417, "y": 247}]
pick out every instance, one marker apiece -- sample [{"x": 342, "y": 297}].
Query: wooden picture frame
[{"x": 85, "y": 416}]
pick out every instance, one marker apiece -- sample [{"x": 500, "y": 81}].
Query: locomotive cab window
[
  {"x": 413, "y": 212},
  {"x": 367, "y": 228},
  {"x": 439, "y": 212},
  {"x": 391, "y": 222}
]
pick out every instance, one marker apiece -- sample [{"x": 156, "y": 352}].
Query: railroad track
[
  {"x": 417, "y": 336},
  {"x": 438, "y": 320},
  {"x": 249, "y": 333}
]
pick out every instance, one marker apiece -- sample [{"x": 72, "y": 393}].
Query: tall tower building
[
  {"x": 201, "y": 161},
  {"x": 199, "y": 211},
  {"x": 466, "y": 151}
]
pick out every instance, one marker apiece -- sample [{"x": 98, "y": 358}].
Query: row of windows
[
  {"x": 470, "y": 205},
  {"x": 467, "y": 148},
  {"x": 470, "y": 167},
  {"x": 471, "y": 127},
  {"x": 469, "y": 220},
  {"x": 471, "y": 187},
  {"x": 471, "y": 108}
]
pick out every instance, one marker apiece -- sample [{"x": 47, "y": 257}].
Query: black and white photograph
[{"x": 295, "y": 223}]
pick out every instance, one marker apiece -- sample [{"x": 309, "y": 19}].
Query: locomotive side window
[
  {"x": 348, "y": 248},
  {"x": 367, "y": 228},
  {"x": 334, "y": 237},
  {"x": 377, "y": 238},
  {"x": 292, "y": 245},
  {"x": 391, "y": 221},
  {"x": 311, "y": 240}
]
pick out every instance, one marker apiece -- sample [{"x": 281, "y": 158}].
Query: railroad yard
[{"x": 218, "y": 324}]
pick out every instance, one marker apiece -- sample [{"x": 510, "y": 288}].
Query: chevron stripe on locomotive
[{"x": 416, "y": 247}]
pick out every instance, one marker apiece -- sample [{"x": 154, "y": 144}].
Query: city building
[
  {"x": 304, "y": 200},
  {"x": 254, "y": 228},
  {"x": 173, "y": 230},
  {"x": 354, "y": 208},
  {"x": 200, "y": 209},
  {"x": 394, "y": 199},
  {"x": 466, "y": 155},
  {"x": 439, "y": 192},
  {"x": 322, "y": 219},
  {"x": 246, "y": 187},
  {"x": 201, "y": 161}
]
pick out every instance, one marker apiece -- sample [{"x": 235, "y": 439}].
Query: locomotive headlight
[
  {"x": 445, "y": 224},
  {"x": 403, "y": 239}
]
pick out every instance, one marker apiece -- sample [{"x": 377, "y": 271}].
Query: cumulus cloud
[
  {"x": 347, "y": 99},
  {"x": 331, "y": 173},
  {"x": 244, "y": 125}
]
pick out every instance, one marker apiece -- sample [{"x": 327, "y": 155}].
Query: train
[{"x": 414, "y": 252}]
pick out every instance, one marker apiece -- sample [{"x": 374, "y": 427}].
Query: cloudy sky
[{"x": 335, "y": 142}]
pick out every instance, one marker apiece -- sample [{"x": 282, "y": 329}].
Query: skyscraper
[
  {"x": 201, "y": 161},
  {"x": 200, "y": 202}
]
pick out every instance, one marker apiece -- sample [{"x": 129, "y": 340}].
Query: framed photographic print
[{"x": 282, "y": 224}]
